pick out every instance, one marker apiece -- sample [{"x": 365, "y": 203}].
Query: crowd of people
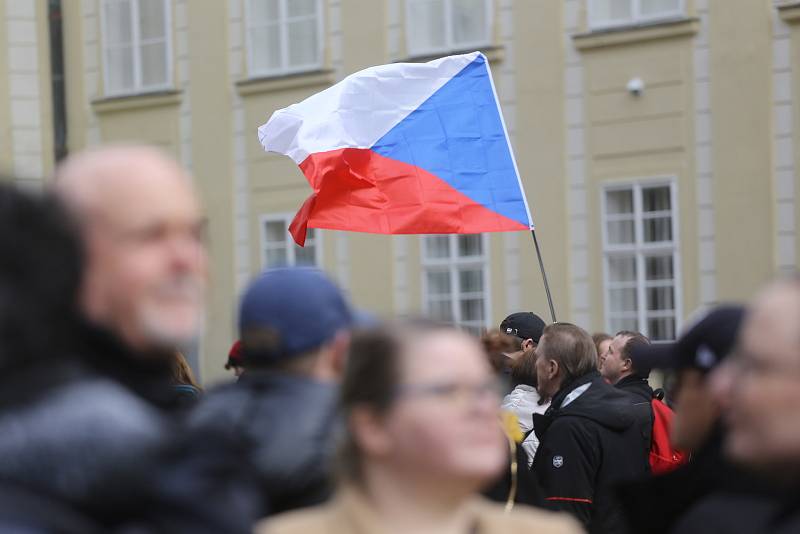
[{"x": 337, "y": 422}]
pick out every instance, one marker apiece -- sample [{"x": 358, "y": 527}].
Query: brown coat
[{"x": 349, "y": 513}]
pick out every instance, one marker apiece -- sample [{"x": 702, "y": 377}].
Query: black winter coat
[
  {"x": 287, "y": 425},
  {"x": 589, "y": 443},
  {"x": 641, "y": 396}
]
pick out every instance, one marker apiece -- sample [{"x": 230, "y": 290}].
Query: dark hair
[
  {"x": 41, "y": 261},
  {"x": 372, "y": 377},
  {"x": 524, "y": 369},
  {"x": 573, "y": 349},
  {"x": 496, "y": 343},
  {"x": 634, "y": 339}
]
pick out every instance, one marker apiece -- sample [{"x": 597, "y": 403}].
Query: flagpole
[{"x": 544, "y": 275}]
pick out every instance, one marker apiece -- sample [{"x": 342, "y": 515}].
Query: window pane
[
  {"x": 265, "y": 49},
  {"x": 152, "y": 22},
  {"x": 620, "y": 232},
  {"x": 275, "y": 232},
  {"x": 619, "y": 202},
  {"x": 651, "y": 8},
  {"x": 119, "y": 63},
  {"x": 470, "y": 245},
  {"x": 658, "y": 229},
  {"x": 619, "y": 324},
  {"x": 438, "y": 283},
  {"x": 661, "y": 329},
  {"x": 656, "y": 199},
  {"x": 611, "y": 10},
  {"x": 470, "y": 281},
  {"x": 622, "y": 300},
  {"x": 658, "y": 268},
  {"x": 437, "y": 246},
  {"x": 302, "y": 42},
  {"x": 276, "y": 257},
  {"x": 425, "y": 25},
  {"x": 154, "y": 64},
  {"x": 622, "y": 269},
  {"x": 472, "y": 310},
  {"x": 472, "y": 330},
  {"x": 660, "y": 298},
  {"x": 263, "y": 11},
  {"x": 440, "y": 310},
  {"x": 299, "y": 8},
  {"x": 469, "y": 21},
  {"x": 118, "y": 22},
  {"x": 305, "y": 256}
]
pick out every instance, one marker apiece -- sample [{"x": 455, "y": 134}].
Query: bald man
[{"x": 142, "y": 225}]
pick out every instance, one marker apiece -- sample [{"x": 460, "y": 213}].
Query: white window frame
[
  {"x": 136, "y": 31},
  {"x": 449, "y": 46},
  {"x": 285, "y": 68},
  {"x": 286, "y": 218},
  {"x": 452, "y": 265},
  {"x": 636, "y": 15},
  {"x": 639, "y": 249}
]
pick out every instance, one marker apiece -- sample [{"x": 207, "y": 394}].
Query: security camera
[{"x": 635, "y": 86}]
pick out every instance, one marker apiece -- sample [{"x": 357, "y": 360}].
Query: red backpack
[{"x": 663, "y": 456}]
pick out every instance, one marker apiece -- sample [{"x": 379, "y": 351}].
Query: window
[
  {"x": 283, "y": 36},
  {"x": 280, "y": 250},
  {"x": 455, "y": 279},
  {"x": 642, "y": 289},
  {"x": 605, "y": 13},
  {"x": 444, "y": 25},
  {"x": 136, "y": 45}
]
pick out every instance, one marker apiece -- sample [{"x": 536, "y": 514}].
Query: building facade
[{"x": 658, "y": 141}]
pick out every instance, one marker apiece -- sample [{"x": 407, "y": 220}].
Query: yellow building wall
[
  {"x": 632, "y": 138},
  {"x": 741, "y": 96}
]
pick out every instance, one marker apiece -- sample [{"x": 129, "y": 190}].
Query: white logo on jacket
[{"x": 558, "y": 461}]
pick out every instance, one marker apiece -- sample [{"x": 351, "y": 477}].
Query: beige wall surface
[
  {"x": 741, "y": 130},
  {"x": 6, "y": 162}
]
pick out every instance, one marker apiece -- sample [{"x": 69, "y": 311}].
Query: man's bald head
[{"x": 142, "y": 225}]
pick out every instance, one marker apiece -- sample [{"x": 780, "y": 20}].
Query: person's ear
[
  {"x": 552, "y": 369},
  {"x": 528, "y": 344},
  {"x": 369, "y": 432},
  {"x": 627, "y": 365}
]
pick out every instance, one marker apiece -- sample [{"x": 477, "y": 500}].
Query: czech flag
[{"x": 405, "y": 148}]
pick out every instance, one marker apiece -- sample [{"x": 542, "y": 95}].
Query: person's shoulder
[
  {"x": 304, "y": 521},
  {"x": 494, "y": 519}
]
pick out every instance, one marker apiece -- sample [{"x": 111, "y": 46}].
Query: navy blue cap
[
  {"x": 525, "y": 325},
  {"x": 702, "y": 346},
  {"x": 290, "y": 311}
]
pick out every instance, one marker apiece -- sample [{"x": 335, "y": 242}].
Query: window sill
[
  {"x": 268, "y": 84},
  {"x": 789, "y": 12},
  {"x": 636, "y": 33},
  {"x": 492, "y": 53},
  {"x": 137, "y": 101}
]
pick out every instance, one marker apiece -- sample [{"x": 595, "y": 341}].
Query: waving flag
[{"x": 406, "y": 148}]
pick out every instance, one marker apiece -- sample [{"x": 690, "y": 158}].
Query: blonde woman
[{"x": 421, "y": 406}]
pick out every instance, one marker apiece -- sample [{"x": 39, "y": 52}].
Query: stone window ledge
[
  {"x": 268, "y": 84},
  {"x": 789, "y": 12},
  {"x": 637, "y": 33},
  {"x": 137, "y": 101},
  {"x": 493, "y": 53}
]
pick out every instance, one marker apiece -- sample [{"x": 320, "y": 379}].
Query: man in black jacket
[
  {"x": 589, "y": 439},
  {"x": 619, "y": 370},
  {"x": 294, "y": 326}
]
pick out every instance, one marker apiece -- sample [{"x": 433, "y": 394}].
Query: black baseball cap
[
  {"x": 525, "y": 325},
  {"x": 702, "y": 346}
]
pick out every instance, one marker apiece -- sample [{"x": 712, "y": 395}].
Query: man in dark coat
[
  {"x": 294, "y": 329},
  {"x": 589, "y": 439},
  {"x": 619, "y": 370}
]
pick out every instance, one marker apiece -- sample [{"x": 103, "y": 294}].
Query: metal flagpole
[{"x": 544, "y": 275}]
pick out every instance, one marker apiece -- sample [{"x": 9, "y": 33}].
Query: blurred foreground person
[
  {"x": 760, "y": 389},
  {"x": 676, "y": 502},
  {"x": 145, "y": 277},
  {"x": 294, "y": 327},
  {"x": 589, "y": 440},
  {"x": 421, "y": 406}
]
